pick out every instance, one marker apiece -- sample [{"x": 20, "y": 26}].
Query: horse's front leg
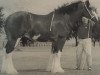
[
  {"x": 7, "y": 63},
  {"x": 54, "y": 62}
]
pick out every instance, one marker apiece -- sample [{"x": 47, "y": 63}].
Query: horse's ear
[
  {"x": 87, "y": 3},
  {"x": 80, "y": 4}
]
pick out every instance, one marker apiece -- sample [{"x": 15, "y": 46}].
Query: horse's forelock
[{"x": 87, "y": 3}]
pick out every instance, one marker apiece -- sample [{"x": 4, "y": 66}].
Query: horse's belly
[{"x": 42, "y": 38}]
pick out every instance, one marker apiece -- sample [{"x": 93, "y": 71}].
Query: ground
[{"x": 34, "y": 60}]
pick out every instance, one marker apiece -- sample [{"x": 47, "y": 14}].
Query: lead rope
[
  {"x": 88, "y": 37},
  {"x": 52, "y": 20},
  {"x": 89, "y": 30}
]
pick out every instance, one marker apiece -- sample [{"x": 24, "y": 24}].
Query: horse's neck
[{"x": 75, "y": 16}]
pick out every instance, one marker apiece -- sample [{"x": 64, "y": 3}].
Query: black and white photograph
[{"x": 49, "y": 37}]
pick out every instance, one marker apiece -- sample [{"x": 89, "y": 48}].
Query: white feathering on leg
[
  {"x": 56, "y": 65},
  {"x": 7, "y": 64},
  {"x": 3, "y": 68}
]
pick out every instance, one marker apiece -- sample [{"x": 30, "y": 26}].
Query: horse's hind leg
[
  {"x": 7, "y": 65},
  {"x": 17, "y": 42},
  {"x": 54, "y": 62}
]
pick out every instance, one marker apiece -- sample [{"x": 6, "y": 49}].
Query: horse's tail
[{"x": 3, "y": 38}]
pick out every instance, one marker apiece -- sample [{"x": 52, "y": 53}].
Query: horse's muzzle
[{"x": 94, "y": 19}]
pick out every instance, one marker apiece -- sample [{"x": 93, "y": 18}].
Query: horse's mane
[{"x": 68, "y": 8}]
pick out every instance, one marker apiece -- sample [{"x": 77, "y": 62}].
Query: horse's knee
[{"x": 10, "y": 46}]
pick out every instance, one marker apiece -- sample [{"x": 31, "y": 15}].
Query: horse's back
[{"x": 16, "y": 16}]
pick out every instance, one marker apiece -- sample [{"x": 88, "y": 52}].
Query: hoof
[
  {"x": 58, "y": 71},
  {"x": 9, "y": 72},
  {"x": 13, "y": 71}
]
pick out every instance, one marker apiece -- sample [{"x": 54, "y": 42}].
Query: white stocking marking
[
  {"x": 7, "y": 65},
  {"x": 55, "y": 64}
]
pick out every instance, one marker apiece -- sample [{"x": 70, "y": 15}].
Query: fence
[{"x": 37, "y": 44}]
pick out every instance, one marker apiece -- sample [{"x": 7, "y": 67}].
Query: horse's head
[
  {"x": 78, "y": 10},
  {"x": 87, "y": 10}
]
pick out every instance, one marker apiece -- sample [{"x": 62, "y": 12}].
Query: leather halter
[{"x": 88, "y": 11}]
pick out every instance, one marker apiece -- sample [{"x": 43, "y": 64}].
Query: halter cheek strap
[
  {"x": 52, "y": 20},
  {"x": 88, "y": 11},
  {"x": 92, "y": 12}
]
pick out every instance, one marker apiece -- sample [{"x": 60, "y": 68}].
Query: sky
[{"x": 38, "y": 6}]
